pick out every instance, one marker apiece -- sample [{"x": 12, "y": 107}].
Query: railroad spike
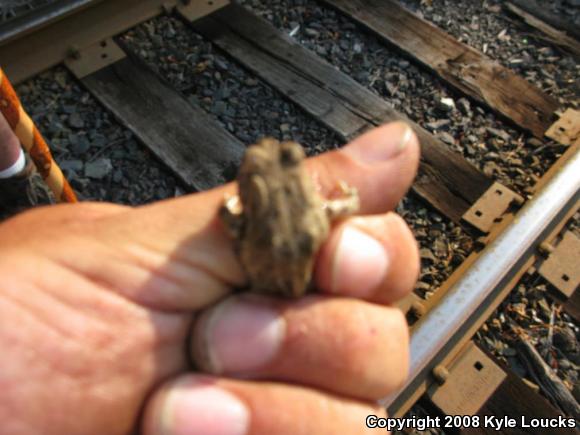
[
  {"x": 74, "y": 53},
  {"x": 441, "y": 374},
  {"x": 545, "y": 249},
  {"x": 418, "y": 309}
]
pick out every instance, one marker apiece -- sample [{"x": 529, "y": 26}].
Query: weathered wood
[
  {"x": 551, "y": 385},
  {"x": 458, "y": 64},
  {"x": 515, "y": 399},
  {"x": 553, "y": 35},
  {"x": 192, "y": 144},
  {"x": 539, "y": 10},
  {"x": 446, "y": 180}
]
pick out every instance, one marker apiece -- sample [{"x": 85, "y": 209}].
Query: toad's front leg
[
  {"x": 231, "y": 215},
  {"x": 346, "y": 205}
]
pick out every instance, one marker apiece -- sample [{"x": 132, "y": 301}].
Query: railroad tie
[{"x": 33, "y": 142}]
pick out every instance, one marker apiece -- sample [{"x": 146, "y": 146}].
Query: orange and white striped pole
[{"x": 33, "y": 142}]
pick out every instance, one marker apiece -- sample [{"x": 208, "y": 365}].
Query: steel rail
[
  {"x": 41, "y": 17},
  {"x": 435, "y": 334}
]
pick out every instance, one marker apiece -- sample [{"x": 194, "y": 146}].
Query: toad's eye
[{"x": 291, "y": 154}]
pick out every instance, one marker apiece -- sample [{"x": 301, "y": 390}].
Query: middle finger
[{"x": 346, "y": 346}]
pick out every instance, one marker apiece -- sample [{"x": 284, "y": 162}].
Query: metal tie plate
[
  {"x": 94, "y": 57},
  {"x": 489, "y": 209},
  {"x": 197, "y": 9},
  {"x": 473, "y": 378},
  {"x": 567, "y": 129},
  {"x": 562, "y": 268}
]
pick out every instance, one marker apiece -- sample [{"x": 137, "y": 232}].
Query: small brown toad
[{"x": 279, "y": 221}]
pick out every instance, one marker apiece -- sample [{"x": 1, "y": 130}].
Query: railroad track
[{"x": 520, "y": 235}]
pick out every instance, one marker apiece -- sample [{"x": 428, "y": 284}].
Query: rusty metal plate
[
  {"x": 472, "y": 380},
  {"x": 567, "y": 129},
  {"x": 197, "y": 9},
  {"x": 94, "y": 57},
  {"x": 489, "y": 209},
  {"x": 562, "y": 268}
]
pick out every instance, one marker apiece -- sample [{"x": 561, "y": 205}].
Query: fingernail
[
  {"x": 239, "y": 335},
  {"x": 193, "y": 409},
  {"x": 381, "y": 144},
  {"x": 360, "y": 264}
]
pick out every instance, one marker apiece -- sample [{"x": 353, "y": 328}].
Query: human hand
[{"x": 97, "y": 303}]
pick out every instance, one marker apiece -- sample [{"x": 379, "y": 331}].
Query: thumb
[{"x": 175, "y": 255}]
